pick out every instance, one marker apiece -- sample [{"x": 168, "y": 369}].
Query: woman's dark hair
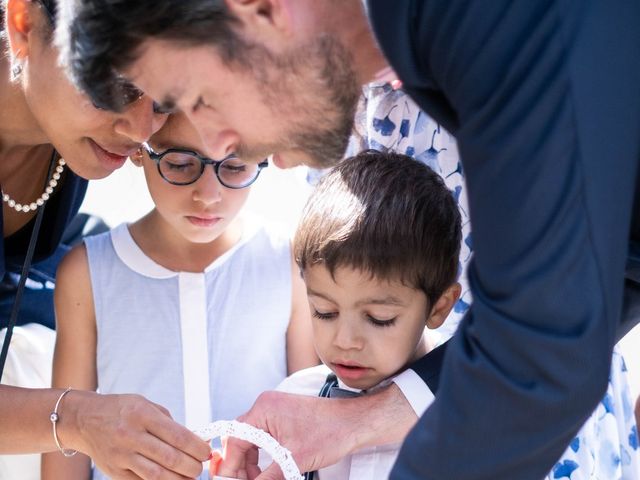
[
  {"x": 385, "y": 214},
  {"x": 51, "y": 9}
]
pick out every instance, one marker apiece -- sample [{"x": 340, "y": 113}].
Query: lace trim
[{"x": 258, "y": 437}]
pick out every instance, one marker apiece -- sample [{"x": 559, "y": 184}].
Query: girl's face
[
  {"x": 199, "y": 212},
  {"x": 93, "y": 142}
]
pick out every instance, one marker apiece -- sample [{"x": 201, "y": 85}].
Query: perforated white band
[{"x": 258, "y": 437}]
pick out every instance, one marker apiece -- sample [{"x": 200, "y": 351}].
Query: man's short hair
[
  {"x": 100, "y": 38},
  {"x": 385, "y": 214}
]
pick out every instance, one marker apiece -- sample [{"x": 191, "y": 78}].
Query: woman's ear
[
  {"x": 18, "y": 25},
  {"x": 443, "y": 306}
]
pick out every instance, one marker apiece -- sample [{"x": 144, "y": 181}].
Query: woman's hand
[{"x": 129, "y": 437}]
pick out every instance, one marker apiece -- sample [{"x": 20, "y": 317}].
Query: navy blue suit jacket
[{"x": 543, "y": 97}]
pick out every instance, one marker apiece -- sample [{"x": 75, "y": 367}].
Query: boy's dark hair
[
  {"x": 385, "y": 214},
  {"x": 103, "y": 37}
]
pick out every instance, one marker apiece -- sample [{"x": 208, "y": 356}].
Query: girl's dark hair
[{"x": 386, "y": 214}]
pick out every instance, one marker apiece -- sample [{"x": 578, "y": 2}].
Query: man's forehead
[{"x": 156, "y": 71}]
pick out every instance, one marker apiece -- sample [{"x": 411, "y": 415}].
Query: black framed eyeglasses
[{"x": 179, "y": 166}]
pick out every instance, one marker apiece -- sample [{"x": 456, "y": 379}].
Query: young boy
[{"x": 378, "y": 247}]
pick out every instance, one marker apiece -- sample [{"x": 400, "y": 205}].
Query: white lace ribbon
[{"x": 260, "y": 438}]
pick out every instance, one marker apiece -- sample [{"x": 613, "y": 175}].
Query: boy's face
[
  {"x": 365, "y": 330},
  {"x": 198, "y": 212}
]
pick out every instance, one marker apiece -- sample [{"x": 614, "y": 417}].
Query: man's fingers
[
  {"x": 272, "y": 472},
  {"x": 236, "y": 455}
]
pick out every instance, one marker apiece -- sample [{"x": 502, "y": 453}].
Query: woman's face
[{"x": 93, "y": 142}]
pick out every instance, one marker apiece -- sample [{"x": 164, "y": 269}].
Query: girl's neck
[{"x": 160, "y": 242}]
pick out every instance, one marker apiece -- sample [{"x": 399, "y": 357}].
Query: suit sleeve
[{"x": 544, "y": 101}]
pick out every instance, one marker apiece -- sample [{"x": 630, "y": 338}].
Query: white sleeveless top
[{"x": 203, "y": 345}]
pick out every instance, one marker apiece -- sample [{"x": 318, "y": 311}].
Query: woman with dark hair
[{"x": 52, "y": 139}]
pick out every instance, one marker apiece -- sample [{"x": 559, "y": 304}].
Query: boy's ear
[
  {"x": 19, "y": 24},
  {"x": 262, "y": 17},
  {"x": 443, "y": 306}
]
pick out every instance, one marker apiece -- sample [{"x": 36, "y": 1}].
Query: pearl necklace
[{"x": 53, "y": 183}]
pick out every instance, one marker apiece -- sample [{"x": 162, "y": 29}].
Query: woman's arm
[
  {"x": 74, "y": 359},
  {"x": 300, "y": 350}
]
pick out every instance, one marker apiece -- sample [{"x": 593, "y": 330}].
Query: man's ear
[
  {"x": 19, "y": 24},
  {"x": 443, "y": 306},
  {"x": 262, "y": 18}
]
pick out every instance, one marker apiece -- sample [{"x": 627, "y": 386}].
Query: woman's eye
[
  {"x": 324, "y": 316},
  {"x": 381, "y": 323}
]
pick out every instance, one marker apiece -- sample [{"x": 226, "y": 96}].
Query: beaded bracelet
[{"x": 54, "y": 417}]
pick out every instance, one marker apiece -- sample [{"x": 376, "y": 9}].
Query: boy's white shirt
[{"x": 368, "y": 463}]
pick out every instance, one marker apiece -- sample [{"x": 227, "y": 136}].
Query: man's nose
[{"x": 218, "y": 140}]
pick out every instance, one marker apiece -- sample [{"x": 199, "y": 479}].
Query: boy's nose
[
  {"x": 347, "y": 336},
  {"x": 138, "y": 121}
]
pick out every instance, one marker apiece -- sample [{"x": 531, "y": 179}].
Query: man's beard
[{"x": 315, "y": 88}]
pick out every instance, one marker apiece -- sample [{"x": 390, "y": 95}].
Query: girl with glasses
[
  {"x": 194, "y": 306},
  {"x": 52, "y": 139}
]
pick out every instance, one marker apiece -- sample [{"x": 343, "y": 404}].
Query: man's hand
[
  {"x": 318, "y": 431},
  {"x": 129, "y": 437}
]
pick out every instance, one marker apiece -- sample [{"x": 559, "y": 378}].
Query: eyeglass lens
[{"x": 184, "y": 168}]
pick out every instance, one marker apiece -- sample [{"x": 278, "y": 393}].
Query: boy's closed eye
[{"x": 380, "y": 322}]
